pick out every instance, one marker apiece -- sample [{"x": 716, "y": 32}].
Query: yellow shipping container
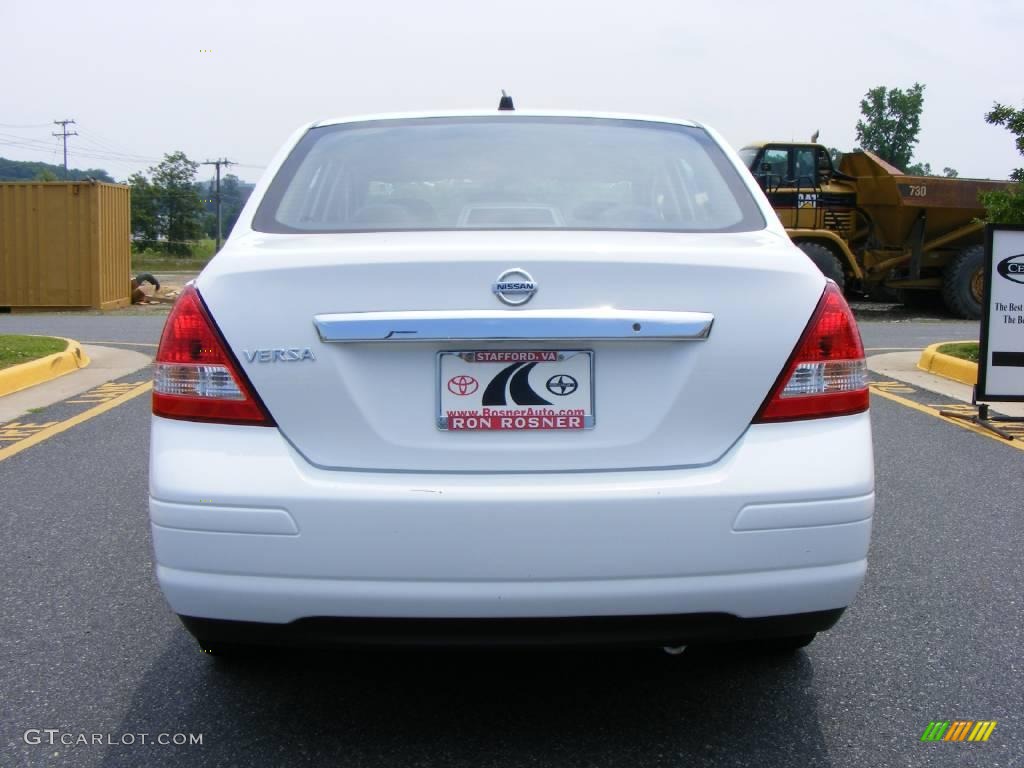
[{"x": 65, "y": 245}]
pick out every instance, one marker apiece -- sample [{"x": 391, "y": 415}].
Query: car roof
[{"x": 510, "y": 115}]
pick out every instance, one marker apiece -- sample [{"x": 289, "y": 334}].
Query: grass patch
[
  {"x": 153, "y": 260},
  {"x": 966, "y": 350},
  {"x": 16, "y": 349},
  {"x": 166, "y": 264}
]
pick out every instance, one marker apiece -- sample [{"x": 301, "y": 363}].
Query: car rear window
[{"x": 507, "y": 172}]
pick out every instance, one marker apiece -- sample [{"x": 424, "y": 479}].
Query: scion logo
[
  {"x": 516, "y": 379},
  {"x": 1012, "y": 268},
  {"x": 514, "y": 287},
  {"x": 462, "y": 385},
  {"x": 562, "y": 384},
  {"x": 280, "y": 355}
]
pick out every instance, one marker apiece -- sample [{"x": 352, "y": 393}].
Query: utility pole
[
  {"x": 218, "y": 164},
  {"x": 64, "y": 133}
]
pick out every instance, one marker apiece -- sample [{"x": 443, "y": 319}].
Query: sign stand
[
  {"x": 983, "y": 419},
  {"x": 1001, "y": 347}
]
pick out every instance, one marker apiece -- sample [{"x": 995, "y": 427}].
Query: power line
[
  {"x": 64, "y": 133},
  {"x": 101, "y": 145},
  {"x": 95, "y": 147},
  {"x": 100, "y": 150},
  {"x": 24, "y": 139},
  {"x": 43, "y": 147}
]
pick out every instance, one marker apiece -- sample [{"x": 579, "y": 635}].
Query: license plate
[{"x": 532, "y": 389}]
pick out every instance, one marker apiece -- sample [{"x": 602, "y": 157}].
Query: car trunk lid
[{"x": 309, "y": 318}]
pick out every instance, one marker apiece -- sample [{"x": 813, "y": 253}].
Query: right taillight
[
  {"x": 196, "y": 378},
  {"x": 826, "y": 375}
]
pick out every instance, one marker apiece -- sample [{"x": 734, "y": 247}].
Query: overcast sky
[{"x": 135, "y": 78}]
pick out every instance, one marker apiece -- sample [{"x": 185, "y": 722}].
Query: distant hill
[{"x": 24, "y": 170}]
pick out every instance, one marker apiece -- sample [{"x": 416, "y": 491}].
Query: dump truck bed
[{"x": 895, "y": 201}]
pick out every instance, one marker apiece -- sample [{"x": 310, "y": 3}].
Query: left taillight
[{"x": 196, "y": 378}]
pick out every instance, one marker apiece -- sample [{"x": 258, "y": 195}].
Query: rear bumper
[
  {"x": 684, "y": 629},
  {"x": 245, "y": 530},
  {"x": 281, "y": 600}
]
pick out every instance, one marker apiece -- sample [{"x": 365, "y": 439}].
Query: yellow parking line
[
  {"x": 61, "y": 426},
  {"x": 1018, "y": 444}
]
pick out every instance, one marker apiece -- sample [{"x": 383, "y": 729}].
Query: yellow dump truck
[{"x": 872, "y": 228}]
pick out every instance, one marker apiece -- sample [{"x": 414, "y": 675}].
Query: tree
[
  {"x": 892, "y": 121},
  {"x": 24, "y": 170},
  {"x": 145, "y": 217},
  {"x": 925, "y": 169},
  {"x": 1007, "y": 206},
  {"x": 180, "y": 206},
  {"x": 233, "y": 194},
  {"x": 1013, "y": 120},
  {"x": 46, "y": 175},
  {"x": 166, "y": 206}
]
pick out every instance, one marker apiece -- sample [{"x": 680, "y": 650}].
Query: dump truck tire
[
  {"x": 962, "y": 284},
  {"x": 825, "y": 260},
  {"x": 924, "y": 300},
  {"x": 882, "y": 293}
]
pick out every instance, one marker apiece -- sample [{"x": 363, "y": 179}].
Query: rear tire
[
  {"x": 786, "y": 644},
  {"x": 962, "y": 283},
  {"x": 764, "y": 646},
  {"x": 230, "y": 651},
  {"x": 825, "y": 260}
]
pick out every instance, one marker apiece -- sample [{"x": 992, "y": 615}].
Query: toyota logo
[
  {"x": 462, "y": 385},
  {"x": 514, "y": 287},
  {"x": 562, "y": 384}
]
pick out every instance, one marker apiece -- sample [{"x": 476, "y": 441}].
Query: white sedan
[{"x": 509, "y": 378}]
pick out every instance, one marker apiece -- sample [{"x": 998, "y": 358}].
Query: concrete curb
[
  {"x": 948, "y": 366},
  {"x": 902, "y": 367},
  {"x": 25, "y": 375},
  {"x": 106, "y": 364}
]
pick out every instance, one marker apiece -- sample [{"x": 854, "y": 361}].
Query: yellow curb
[
  {"x": 26, "y": 375},
  {"x": 948, "y": 366}
]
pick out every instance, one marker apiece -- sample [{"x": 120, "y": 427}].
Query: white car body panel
[
  {"x": 572, "y": 544},
  {"x": 357, "y": 505},
  {"x": 372, "y": 406}
]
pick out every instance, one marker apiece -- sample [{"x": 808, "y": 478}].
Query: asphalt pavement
[
  {"x": 89, "y": 328},
  {"x": 89, "y": 647}
]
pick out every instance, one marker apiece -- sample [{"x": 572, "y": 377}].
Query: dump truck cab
[
  {"x": 815, "y": 202},
  {"x": 802, "y": 185}
]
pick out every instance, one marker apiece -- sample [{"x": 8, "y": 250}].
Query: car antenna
[{"x": 506, "y": 105}]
